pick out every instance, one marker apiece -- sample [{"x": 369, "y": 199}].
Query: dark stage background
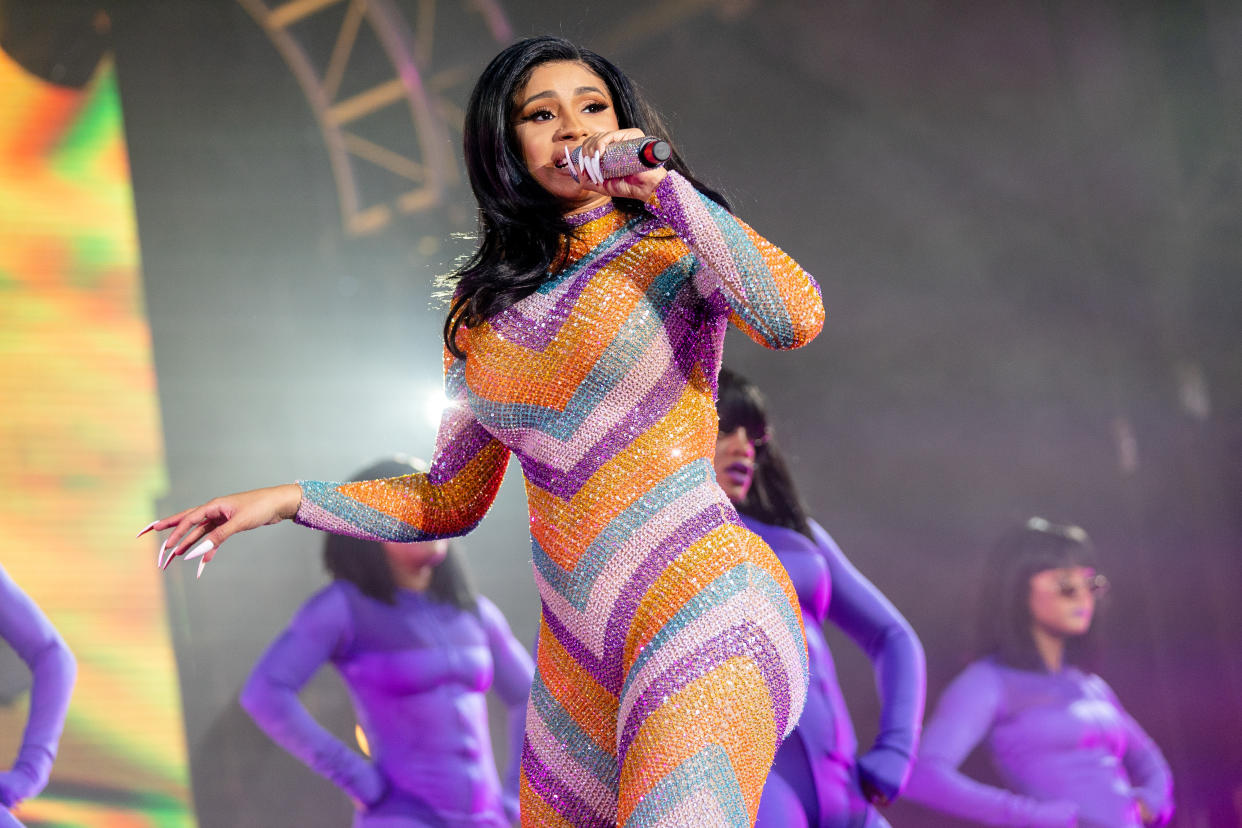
[{"x": 1024, "y": 216}]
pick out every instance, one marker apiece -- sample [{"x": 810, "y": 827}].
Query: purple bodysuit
[
  {"x": 27, "y": 630},
  {"x": 1061, "y": 742},
  {"x": 816, "y": 778},
  {"x": 417, "y": 674}
]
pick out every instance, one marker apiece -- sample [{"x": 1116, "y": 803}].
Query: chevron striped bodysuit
[{"x": 671, "y": 658}]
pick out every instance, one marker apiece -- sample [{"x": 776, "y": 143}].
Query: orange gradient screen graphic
[{"x": 80, "y": 453}]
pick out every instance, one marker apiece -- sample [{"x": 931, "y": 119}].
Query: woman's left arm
[
  {"x": 870, "y": 619},
  {"x": 1150, "y": 776},
  {"x": 32, "y": 636},
  {"x": 513, "y": 672},
  {"x": 768, "y": 295}
]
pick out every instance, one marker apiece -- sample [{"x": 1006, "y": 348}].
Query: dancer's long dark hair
[
  {"x": 772, "y": 497},
  {"x": 365, "y": 564},
  {"x": 520, "y": 223},
  {"x": 1004, "y": 622}
]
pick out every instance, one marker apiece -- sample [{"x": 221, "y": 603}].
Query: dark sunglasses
[
  {"x": 758, "y": 437},
  {"x": 1097, "y": 585}
]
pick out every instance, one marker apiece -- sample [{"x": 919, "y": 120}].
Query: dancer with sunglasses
[
  {"x": 54, "y": 670},
  {"x": 817, "y": 781},
  {"x": 585, "y": 337},
  {"x": 1066, "y": 749}
]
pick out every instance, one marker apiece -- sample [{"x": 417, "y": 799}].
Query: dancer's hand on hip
[
  {"x": 883, "y": 772},
  {"x": 17, "y": 784}
]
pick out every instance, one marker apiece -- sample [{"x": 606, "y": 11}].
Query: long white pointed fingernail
[
  {"x": 147, "y": 528},
  {"x": 201, "y": 566},
  {"x": 569, "y": 162},
  {"x": 164, "y": 556},
  {"x": 200, "y": 549}
]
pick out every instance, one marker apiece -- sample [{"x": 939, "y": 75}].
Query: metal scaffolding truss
[{"x": 421, "y": 165}]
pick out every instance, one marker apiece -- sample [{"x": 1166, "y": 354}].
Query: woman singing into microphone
[
  {"x": 584, "y": 337},
  {"x": 817, "y": 781}
]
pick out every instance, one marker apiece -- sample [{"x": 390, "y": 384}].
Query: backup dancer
[
  {"x": 1068, "y": 752},
  {"x": 418, "y": 650},
  {"x": 817, "y": 780}
]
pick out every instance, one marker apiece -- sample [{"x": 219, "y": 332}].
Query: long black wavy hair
[
  {"x": 1004, "y": 622},
  {"x": 773, "y": 497},
  {"x": 365, "y": 564},
  {"x": 520, "y": 224}
]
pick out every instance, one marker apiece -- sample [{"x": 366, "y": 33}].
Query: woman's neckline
[{"x": 579, "y": 219}]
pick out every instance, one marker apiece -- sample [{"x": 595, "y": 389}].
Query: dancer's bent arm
[
  {"x": 883, "y": 633},
  {"x": 1150, "y": 777},
  {"x": 53, "y": 669},
  {"x": 270, "y": 696},
  {"x": 513, "y": 671}
]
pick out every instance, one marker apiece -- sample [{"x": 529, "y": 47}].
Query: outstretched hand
[{"x": 198, "y": 532}]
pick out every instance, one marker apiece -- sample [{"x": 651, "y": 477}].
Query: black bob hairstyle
[
  {"x": 365, "y": 564},
  {"x": 772, "y": 497},
  {"x": 520, "y": 223},
  {"x": 1004, "y": 622}
]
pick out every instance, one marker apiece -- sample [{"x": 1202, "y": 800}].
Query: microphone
[{"x": 619, "y": 160}]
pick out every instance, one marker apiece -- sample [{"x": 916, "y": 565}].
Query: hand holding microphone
[{"x": 618, "y": 160}]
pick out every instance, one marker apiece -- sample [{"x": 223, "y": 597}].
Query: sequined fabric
[{"x": 671, "y": 656}]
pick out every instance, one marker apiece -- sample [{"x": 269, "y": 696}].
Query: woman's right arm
[
  {"x": 270, "y": 696},
  {"x": 449, "y": 500},
  {"x": 967, "y": 709}
]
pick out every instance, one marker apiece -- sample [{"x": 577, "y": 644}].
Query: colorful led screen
[{"x": 80, "y": 453}]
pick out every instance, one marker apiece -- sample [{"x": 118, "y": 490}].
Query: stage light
[{"x": 433, "y": 404}]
